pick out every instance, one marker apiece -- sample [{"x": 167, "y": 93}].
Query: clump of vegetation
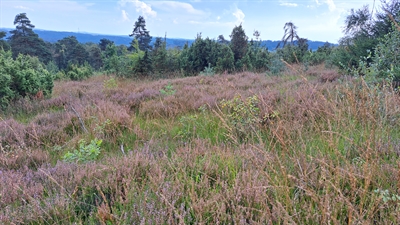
[
  {"x": 23, "y": 77},
  {"x": 240, "y": 117},
  {"x": 208, "y": 71},
  {"x": 85, "y": 152},
  {"x": 75, "y": 72},
  {"x": 168, "y": 90}
]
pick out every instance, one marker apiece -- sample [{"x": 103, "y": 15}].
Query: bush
[
  {"x": 85, "y": 153},
  {"x": 225, "y": 61},
  {"x": 386, "y": 62},
  {"x": 241, "y": 117},
  {"x": 381, "y": 65},
  {"x": 5, "y": 78},
  {"x": 290, "y": 54},
  {"x": 75, "y": 72},
  {"x": 23, "y": 77},
  {"x": 276, "y": 66}
]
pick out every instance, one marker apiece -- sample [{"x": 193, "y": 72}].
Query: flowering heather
[{"x": 316, "y": 151}]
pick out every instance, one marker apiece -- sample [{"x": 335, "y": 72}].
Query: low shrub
[
  {"x": 85, "y": 153},
  {"x": 75, "y": 72}
]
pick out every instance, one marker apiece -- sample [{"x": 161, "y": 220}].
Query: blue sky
[{"x": 320, "y": 20}]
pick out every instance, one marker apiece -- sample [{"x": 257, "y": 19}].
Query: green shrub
[
  {"x": 23, "y": 77},
  {"x": 226, "y": 60},
  {"x": 386, "y": 62},
  {"x": 241, "y": 116},
  {"x": 276, "y": 66},
  {"x": 75, "y": 72},
  {"x": 208, "y": 71},
  {"x": 167, "y": 90},
  {"x": 6, "y": 93},
  {"x": 85, "y": 153}
]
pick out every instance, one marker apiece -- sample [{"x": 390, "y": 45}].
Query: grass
[{"x": 299, "y": 148}]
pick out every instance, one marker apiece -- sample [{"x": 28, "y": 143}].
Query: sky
[{"x": 317, "y": 20}]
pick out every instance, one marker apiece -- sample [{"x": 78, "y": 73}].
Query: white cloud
[
  {"x": 288, "y": 4},
  {"x": 238, "y": 13},
  {"x": 125, "y": 16},
  {"x": 178, "y": 7},
  {"x": 23, "y": 7},
  {"x": 331, "y": 5},
  {"x": 141, "y": 7}
]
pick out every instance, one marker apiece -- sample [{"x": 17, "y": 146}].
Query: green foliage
[
  {"x": 291, "y": 54},
  {"x": 383, "y": 66},
  {"x": 23, "y": 77},
  {"x": 85, "y": 153},
  {"x": 203, "y": 125},
  {"x": 244, "y": 64},
  {"x": 3, "y": 44},
  {"x": 95, "y": 59},
  {"x": 208, "y": 71},
  {"x": 259, "y": 57},
  {"x": 160, "y": 56},
  {"x": 141, "y": 34},
  {"x": 75, "y": 72},
  {"x": 199, "y": 55},
  {"x": 320, "y": 56},
  {"x": 120, "y": 65},
  {"x": 24, "y": 41},
  {"x": 189, "y": 126},
  {"x": 351, "y": 50},
  {"x": 6, "y": 64},
  {"x": 276, "y": 66},
  {"x": 69, "y": 51},
  {"x": 387, "y": 197},
  {"x": 238, "y": 42},
  {"x": 100, "y": 128},
  {"x": 241, "y": 116},
  {"x": 144, "y": 65},
  {"x": 363, "y": 34},
  {"x": 110, "y": 83},
  {"x": 104, "y": 43},
  {"x": 226, "y": 60},
  {"x": 52, "y": 67},
  {"x": 167, "y": 90},
  {"x": 386, "y": 61}
]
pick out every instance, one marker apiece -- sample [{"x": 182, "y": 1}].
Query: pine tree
[
  {"x": 238, "y": 42},
  {"x": 25, "y": 41},
  {"x": 104, "y": 42},
  {"x": 141, "y": 34}
]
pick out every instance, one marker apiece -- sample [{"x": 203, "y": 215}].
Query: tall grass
[{"x": 311, "y": 150}]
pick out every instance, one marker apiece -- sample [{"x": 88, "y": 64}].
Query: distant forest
[{"x": 54, "y": 36}]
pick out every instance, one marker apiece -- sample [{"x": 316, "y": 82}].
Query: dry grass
[{"x": 315, "y": 155}]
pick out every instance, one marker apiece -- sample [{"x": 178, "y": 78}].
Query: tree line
[{"x": 368, "y": 37}]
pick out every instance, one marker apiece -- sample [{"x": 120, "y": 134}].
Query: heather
[{"x": 303, "y": 147}]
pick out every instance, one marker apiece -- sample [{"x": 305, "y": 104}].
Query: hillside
[{"x": 54, "y": 36}]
